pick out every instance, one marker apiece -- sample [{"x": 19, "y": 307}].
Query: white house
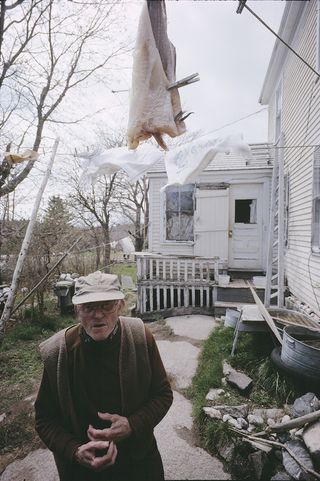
[
  {"x": 197, "y": 231},
  {"x": 292, "y": 92},
  {"x": 224, "y": 213}
]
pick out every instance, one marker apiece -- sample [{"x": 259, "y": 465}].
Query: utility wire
[
  {"x": 234, "y": 122},
  {"x": 281, "y": 40}
]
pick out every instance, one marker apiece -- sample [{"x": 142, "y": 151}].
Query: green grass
[
  {"x": 270, "y": 388},
  {"x": 20, "y": 363},
  {"x": 125, "y": 269},
  {"x": 14, "y": 433}
]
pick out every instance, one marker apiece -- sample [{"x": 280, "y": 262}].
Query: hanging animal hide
[{"x": 154, "y": 110}]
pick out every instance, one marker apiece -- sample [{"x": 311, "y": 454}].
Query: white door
[
  {"x": 245, "y": 231},
  {"x": 211, "y": 222}
]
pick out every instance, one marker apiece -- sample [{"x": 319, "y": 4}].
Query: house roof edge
[{"x": 290, "y": 19}]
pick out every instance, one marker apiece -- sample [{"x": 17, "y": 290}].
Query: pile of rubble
[{"x": 285, "y": 441}]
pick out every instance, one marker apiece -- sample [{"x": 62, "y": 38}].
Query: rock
[
  {"x": 281, "y": 476},
  {"x": 305, "y": 404},
  {"x": 2, "y": 417},
  {"x": 274, "y": 413},
  {"x": 311, "y": 438},
  {"x": 212, "y": 413},
  {"x": 259, "y": 412},
  {"x": 243, "y": 423},
  {"x": 258, "y": 460},
  {"x": 226, "y": 368},
  {"x": 226, "y": 417},
  {"x": 214, "y": 394},
  {"x": 292, "y": 433},
  {"x": 251, "y": 428},
  {"x": 255, "y": 420},
  {"x": 226, "y": 451},
  {"x": 291, "y": 466},
  {"x": 233, "y": 422},
  {"x": 224, "y": 382},
  {"x": 37, "y": 466},
  {"x": 240, "y": 411},
  {"x": 299, "y": 433},
  {"x": 271, "y": 421},
  {"x": 239, "y": 380},
  {"x": 285, "y": 418}
]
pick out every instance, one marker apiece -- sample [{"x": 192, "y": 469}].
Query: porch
[{"x": 173, "y": 285}]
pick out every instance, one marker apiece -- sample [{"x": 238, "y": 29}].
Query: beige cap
[{"x": 97, "y": 287}]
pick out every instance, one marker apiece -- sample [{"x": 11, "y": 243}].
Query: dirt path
[{"x": 179, "y": 340}]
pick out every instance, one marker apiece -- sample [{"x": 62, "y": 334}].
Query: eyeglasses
[{"x": 105, "y": 307}]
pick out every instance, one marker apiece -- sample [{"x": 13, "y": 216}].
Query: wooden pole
[
  {"x": 265, "y": 313},
  {"x": 25, "y": 245}
]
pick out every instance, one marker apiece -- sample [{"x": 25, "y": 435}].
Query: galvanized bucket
[
  {"x": 231, "y": 318},
  {"x": 283, "y": 317},
  {"x": 300, "y": 351}
]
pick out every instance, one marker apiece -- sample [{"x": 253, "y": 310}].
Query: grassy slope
[{"x": 270, "y": 389}]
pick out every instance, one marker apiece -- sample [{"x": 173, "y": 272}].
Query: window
[
  {"x": 286, "y": 209},
  {"x": 245, "y": 211},
  {"x": 316, "y": 202},
  {"x": 179, "y": 212},
  {"x": 278, "y": 112}
]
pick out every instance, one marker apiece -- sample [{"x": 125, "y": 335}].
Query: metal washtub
[{"x": 301, "y": 350}]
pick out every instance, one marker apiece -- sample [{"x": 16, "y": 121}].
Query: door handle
[{"x": 230, "y": 233}]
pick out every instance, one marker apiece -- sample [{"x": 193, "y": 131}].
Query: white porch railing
[
  {"x": 171, "y": 268},
  {"x": 166, "y": 282}
]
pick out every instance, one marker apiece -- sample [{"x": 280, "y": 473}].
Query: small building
[{"x": 197, "y": 232}]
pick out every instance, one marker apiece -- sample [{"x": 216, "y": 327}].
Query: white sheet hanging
[
  {"x": 134, "y": 162},
  {"x": 183, "y": 163}
]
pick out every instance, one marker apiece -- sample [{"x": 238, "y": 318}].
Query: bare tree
[
  {"x": 95, "y": 207},
  {"x": 47, "y": 49},
  {"x": 134, "y": 205}
]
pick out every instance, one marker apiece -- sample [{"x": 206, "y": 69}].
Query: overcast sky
[{"x": 230, "y": 52}]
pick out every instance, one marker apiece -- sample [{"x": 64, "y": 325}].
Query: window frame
[
  {"x": 286, "y": 208},
  {"x": 278, "y": 112},
  {"x": 315, "y": 222},
  {"x": 164, "y": 230}
]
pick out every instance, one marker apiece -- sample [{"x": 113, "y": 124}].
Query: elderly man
[{"x": 103, "y": 390}]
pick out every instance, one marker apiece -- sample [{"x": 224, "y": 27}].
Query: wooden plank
[
  {"x": 265, "y": 313},
  {"x": 186, "y": 297},
  {"x": 158, "y": 298},
  {"x": 150, "y": 269},
  {"x": 151, "y": 298}
]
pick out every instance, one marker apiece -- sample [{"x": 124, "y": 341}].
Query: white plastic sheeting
[
  {"x": 125, "y": 244},
  {"x": 134, "y": 162},
  {"x": 183, "y": 163}
]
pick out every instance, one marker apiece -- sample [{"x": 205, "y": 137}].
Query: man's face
[{"x": 99, "y": 318}]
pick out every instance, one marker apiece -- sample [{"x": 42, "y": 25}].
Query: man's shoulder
[
  {"x": 54, "y": 344},
  {"x": 139, "y": 329}
]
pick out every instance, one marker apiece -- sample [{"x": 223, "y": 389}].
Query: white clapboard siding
[{"x": 301, "y": 266}]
